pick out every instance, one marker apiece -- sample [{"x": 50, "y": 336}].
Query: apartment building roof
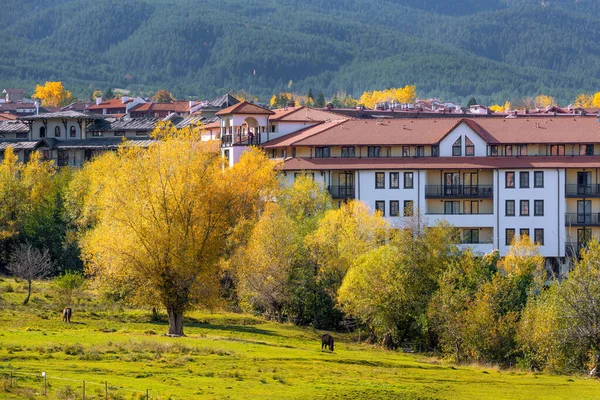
[
  {"x": 112, "y": 103},
  {"x": 17, "y": 144},
  {"x": 13, "y": 127},
  {"x": 61, "y": 115},
  {"x": 436, "y": 163},
  {"x": 520, "y": 130},
  {"x": 178, "y": 107},
  {"x": 125, "y": 124},
  {"x": 245, "y": 107},
  {"x": 302, "y": 114}
]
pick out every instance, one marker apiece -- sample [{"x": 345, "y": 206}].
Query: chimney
[
  {"x": 125, "y": 99},
  {"x": 98, "y": 100}
]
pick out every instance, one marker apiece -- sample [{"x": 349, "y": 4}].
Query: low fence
[{"x": 46, "y": 384}]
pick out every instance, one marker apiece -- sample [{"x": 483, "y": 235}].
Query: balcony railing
[
  {"x": 592, "y": 219},
  {"x": 575, "y": 190},
  {"x": 460, "y": 213},
  {"x": 341, "y": 192},
  {"x": 480, "y": 241},
  {"x": 459, "y": 191}
]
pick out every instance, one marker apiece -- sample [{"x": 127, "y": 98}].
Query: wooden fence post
[
  {"x": 106, "y": 389},
  {"x": 83, "y": 391}
]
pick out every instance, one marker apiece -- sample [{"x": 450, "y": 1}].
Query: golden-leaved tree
[
  {"x": 53, "y": 94},
  {"x": 159, "y": 217},
  {"x": 163, "y": 96},
  {"x": 403, "y": 95}
]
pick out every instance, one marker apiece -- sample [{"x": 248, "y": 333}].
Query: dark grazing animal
[
  {"x": 67, "y": 315},
  {"x": 327, "y": 341}
]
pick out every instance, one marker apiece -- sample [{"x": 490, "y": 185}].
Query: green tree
[{"x": 320, "y": 101}]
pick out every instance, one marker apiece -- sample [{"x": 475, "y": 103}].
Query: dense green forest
[{"x": 495, "y": 50}]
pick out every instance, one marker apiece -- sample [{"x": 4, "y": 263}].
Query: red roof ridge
[{"x": 245, "y": 107}]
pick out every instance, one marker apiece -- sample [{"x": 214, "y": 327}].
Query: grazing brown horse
[
  {"x": 67, "y": 315},
  {"x": 327, "y": 341}
]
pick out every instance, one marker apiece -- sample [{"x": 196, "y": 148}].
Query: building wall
[{"x": 464, "y": 131}]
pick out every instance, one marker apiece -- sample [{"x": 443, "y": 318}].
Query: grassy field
[{"x": 227, "y": 356}]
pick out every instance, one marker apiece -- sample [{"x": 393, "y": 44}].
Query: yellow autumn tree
[
  {"x": 163, "y": 96},
  {"x": 596, "y": 101},
  {"x": 158, "y": 218},
  {"x": 53, "y": 94},
  {"x": 499, "y": 109},
  {"x": 403, "y": 95},
  {"x": 584, "y": 100},
  {"x": 543, "y": 101}
]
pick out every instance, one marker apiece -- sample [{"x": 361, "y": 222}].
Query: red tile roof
[
  {"x": 389, "y": 163},
  {"x": 293, "y": 138},
  {"x": 108, "y": 104},
  {"x": 302, "y": 114},
  {"x": 245, "y": 107}
]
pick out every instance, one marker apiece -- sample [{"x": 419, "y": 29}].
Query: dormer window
[
  {"x": 457, "y": 147},
  {"x": 405, "y": 151},
  {"x": 494, "y": 150},
  {"x": 57, "y": 131},
  {"x": 469, "y": 147}
]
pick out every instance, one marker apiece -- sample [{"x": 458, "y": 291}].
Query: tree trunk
[
  {"x": 175, "y": 321},
  {"x": 28, "y": 293}
]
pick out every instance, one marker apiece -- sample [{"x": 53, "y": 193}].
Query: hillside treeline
[
  {"x": 495, "y": 50},
  {"x": 169, "y": 227}
]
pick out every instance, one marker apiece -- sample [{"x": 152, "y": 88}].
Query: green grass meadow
[{"x": 227, "y": 356}]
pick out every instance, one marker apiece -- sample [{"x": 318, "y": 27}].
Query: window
[
  {"x": 557, "y": 150},
  {"x": 451, "y": 207},
  {"x": 348, "y": 152},
  {"x": 523, "y": 150},
  {"x": 120, "y": 133},
  {"x": 538, "y": 208},
  {"x": 394, "y": 208},
  {"x": 226, "y": 154},
  {"x": 538, "y": 179},
  {"x": 469, "y": 147},
  {"x": 73, "y": 132},
  {"x": 379, "y": 180},
  {"x": 524, "y": 208},
  {"x": 21, "y": 135},
  {"x": 471, "y": 207},
  {"x": 510, "y": 179},
  {"x": 457, "y": 147},
  {"x": 96, "y": 133},
  {"x": 586, "y": 149},
  {"x": 539, "y": 236},
  {"x": 374, "y": 151},
  {"x": 435, "y": 151},
  {"x": 510, "y": 208},
  {"x": 494, "y": 150},
  {"x": 405, "y": 151},
  {"x": 524, "y": 232},
  {"x": 508, "y": 150},
  {"x": 470, "y": 236},
  {"x": 409, "y": 208},
  {"x": 394, "y": 180},
  {"x": 380, "y": 206},
  {"x": 321, "y": 152},
  {"x": 420, "y": 151},
  {"x": 510, "y": 236},
  {"x": 272, "y": 128},
  {"x": 408, "y": 180},
  {"x": 523, "y": 179},
  {"x": 57, "y": 131}
]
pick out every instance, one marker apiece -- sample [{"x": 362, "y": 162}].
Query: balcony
[
  {"x": 226, "y": 140},
  {"x": 575, "y": 190},
  {"x": 582, "y": 219},
  {"x": 341, "y": 192},
  {"x": 459, "y": 191}
]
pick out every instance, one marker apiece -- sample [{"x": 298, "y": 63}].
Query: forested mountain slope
[{"x": 494, "y": 49}]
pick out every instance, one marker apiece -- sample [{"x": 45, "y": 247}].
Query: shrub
[{"x": 69, "y": 284}]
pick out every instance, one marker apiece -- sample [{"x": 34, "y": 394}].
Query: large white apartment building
[{"x": 493, "y": 178}]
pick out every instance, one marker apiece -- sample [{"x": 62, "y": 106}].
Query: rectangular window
[
  {"x": 510, "y": 236},
  {"x": 470, "y": 236},
  {"x": 96, "y": 133},
  {"x": 379, "y": 180},
  {"x": 405, "y": 151},
  {"x": 409, "y": 208},
  {"x": 374, "y": 151},
  {"x": 524, "y": 208},
  {"x": 539, "y": 236},
  {"x": 538, "y": 208},
  {"x": 394, "y": 208},
  {"x": 435, "y": 151},
  {"x": 420, "y": 151},
  {"x": 394, "y": 180},
  {"x": 510, "y": 208},
  {"x": 494, "y": 150},
  {"x": 471, "y": 207},
  {"x": 321, "y": 152},
  {"x": 523, "y": 150},
  {"x": 380, "y": 206},
  {"x": 508, "y": 150},
  {"x": 451, "y": 207},
  {"x": 348, "y": 152},
  {"x": 557, "y": 150},
  {"x": 510, "y": 180},
  {"x": 523, "y": 180},
  {"x": 120, "y": 133},
  {"x": 587, "y": 149},
  {"x": 538, "y": 179},
  {"x": 408, "y": 180},
  {"x": 524, "y": 232},
  {"x": 272, "y": 128}
]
